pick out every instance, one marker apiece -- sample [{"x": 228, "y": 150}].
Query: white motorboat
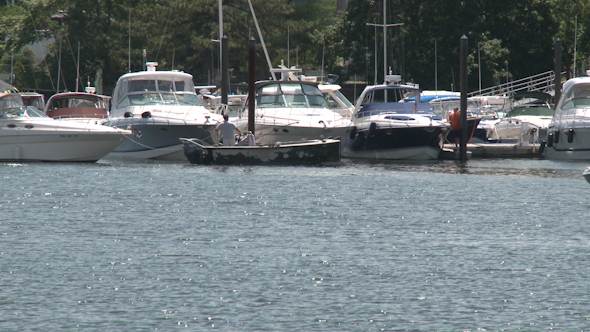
[
  {"x": 26, "y": 134},
  {"x": 336, "y": 101},
  {"x": 388, "y": 128},
  {"x": 160, "y": 107},
  {"x": 292, "y": 111},
  {"x": 568, "y": 134},
  {"x": 81, "y": 106}
]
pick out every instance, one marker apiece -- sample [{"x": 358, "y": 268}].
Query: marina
[{"x": 299, "y": 187}]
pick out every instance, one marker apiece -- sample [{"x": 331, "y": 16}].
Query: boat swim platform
[{"x": 492, "y": 150}]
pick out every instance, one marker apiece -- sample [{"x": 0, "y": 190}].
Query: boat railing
[{"x": 544, "y": 82}]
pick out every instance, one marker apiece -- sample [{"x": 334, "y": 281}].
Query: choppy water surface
[{"x": 123, "y": 246}]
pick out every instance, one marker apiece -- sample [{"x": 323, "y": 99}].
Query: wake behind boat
[
  {"x": 308, "y": 152},
  {"x": 26, "y": 134},
  {"x": 159, "y": 107}
]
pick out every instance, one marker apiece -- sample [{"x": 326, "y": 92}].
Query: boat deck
[{"x": 493, "y": 150}]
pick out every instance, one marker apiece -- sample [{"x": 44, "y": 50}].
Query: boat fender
[
  {"x": 556, "y": 137},
  {"x": 352, "y": 133},
  {"x": 146, "y": 115},
  {"x": 128, "y": 115},
  {"x": 542, "y": 146},
  {"x": 550, "y": 140},
  {"x": 570, "y": 135},
  {"x": 372, "y": 129}
]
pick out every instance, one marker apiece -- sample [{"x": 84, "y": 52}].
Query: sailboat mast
[
  {"x": 220, "y": 4},
  {"x": 384, "y": 39},
  {"x": 78, "y": 68}
]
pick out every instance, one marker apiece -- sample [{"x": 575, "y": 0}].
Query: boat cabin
[
  {"x": 77, "y": 105},
  {"x": 284, "y": 94}
]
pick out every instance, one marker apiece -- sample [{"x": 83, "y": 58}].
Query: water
[{"x": 121, "y": 246}]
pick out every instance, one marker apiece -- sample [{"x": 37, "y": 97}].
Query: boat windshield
[
  {"x": 159, "y": 90},
  {"x": 21, "y": 112},
  {"x": 444, "y": 107},
  {"x": 336, "y": 99},
  {"x": 578, "y": 97},
  {"x": 291, "y": 94},
  {"x": 78, "y": 102},
  {"x": 388, "y": 95},
  {"x": 11, "y": 100}
]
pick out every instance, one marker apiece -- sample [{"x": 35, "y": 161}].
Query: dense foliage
[{"x": 510, "y": 39}]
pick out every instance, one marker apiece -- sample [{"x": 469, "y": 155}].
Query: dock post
[
  {"x": 463, "y": 83},
  {"x": 251, "y": 82},
  {"x": 557, "y": 71},
  {"x": 224, "y": 70}
]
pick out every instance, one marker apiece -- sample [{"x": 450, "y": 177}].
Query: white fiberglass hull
[
  {"x": 559, "y": 147},
  {"x": 270, "y": 132},
  {"x": 159, "y": 138},
  {"x": 53, "y": 140}
]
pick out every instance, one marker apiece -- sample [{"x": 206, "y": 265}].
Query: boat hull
[
  {"x": 58, "y": 146},
  {"x": 559, "y": 147},
  {"x": 313, "y": 152},
  {"x": 268, "y": 133},
  {"x": 158, "y": 139},
  {"x": 409, "y": 143},
  {"x": 586, "y": 174}
]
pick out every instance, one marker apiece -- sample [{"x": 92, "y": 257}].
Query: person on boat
[
  {"x": 226, "y": 131},
  {"x": 455, "y": 119}
]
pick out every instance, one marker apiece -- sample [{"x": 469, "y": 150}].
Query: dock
[{"x": 493, "y": 150}]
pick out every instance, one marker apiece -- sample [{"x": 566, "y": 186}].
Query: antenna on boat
[
  {"x": 129, "y": 51},
  {"x": 384, "y": 26},
  {"x": 78, "y": 68}
]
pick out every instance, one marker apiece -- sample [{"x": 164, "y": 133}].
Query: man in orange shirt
[{"x": 455, "y": 119}]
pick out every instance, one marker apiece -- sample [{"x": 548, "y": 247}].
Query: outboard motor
[
  {"x": 146, "y": 115},
  {"x": 128, "y": 115},
  {"x": 556, "y": 137}
]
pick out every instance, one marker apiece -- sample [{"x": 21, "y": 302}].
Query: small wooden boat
[{"x": 309, "y": 152}]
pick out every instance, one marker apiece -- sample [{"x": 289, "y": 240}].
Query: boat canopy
[
  {"x": 68, "y": 100},
  {"x": 148, "y": 88},
  {"x": 21, "y": 112},
  {"x": 10, "y": 100},
  {"x": 289, "y": 94},
  {"x": 576, "y": 97}
]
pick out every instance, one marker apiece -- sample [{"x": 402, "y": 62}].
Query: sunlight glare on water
[{"x": 490, "y": 245}]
